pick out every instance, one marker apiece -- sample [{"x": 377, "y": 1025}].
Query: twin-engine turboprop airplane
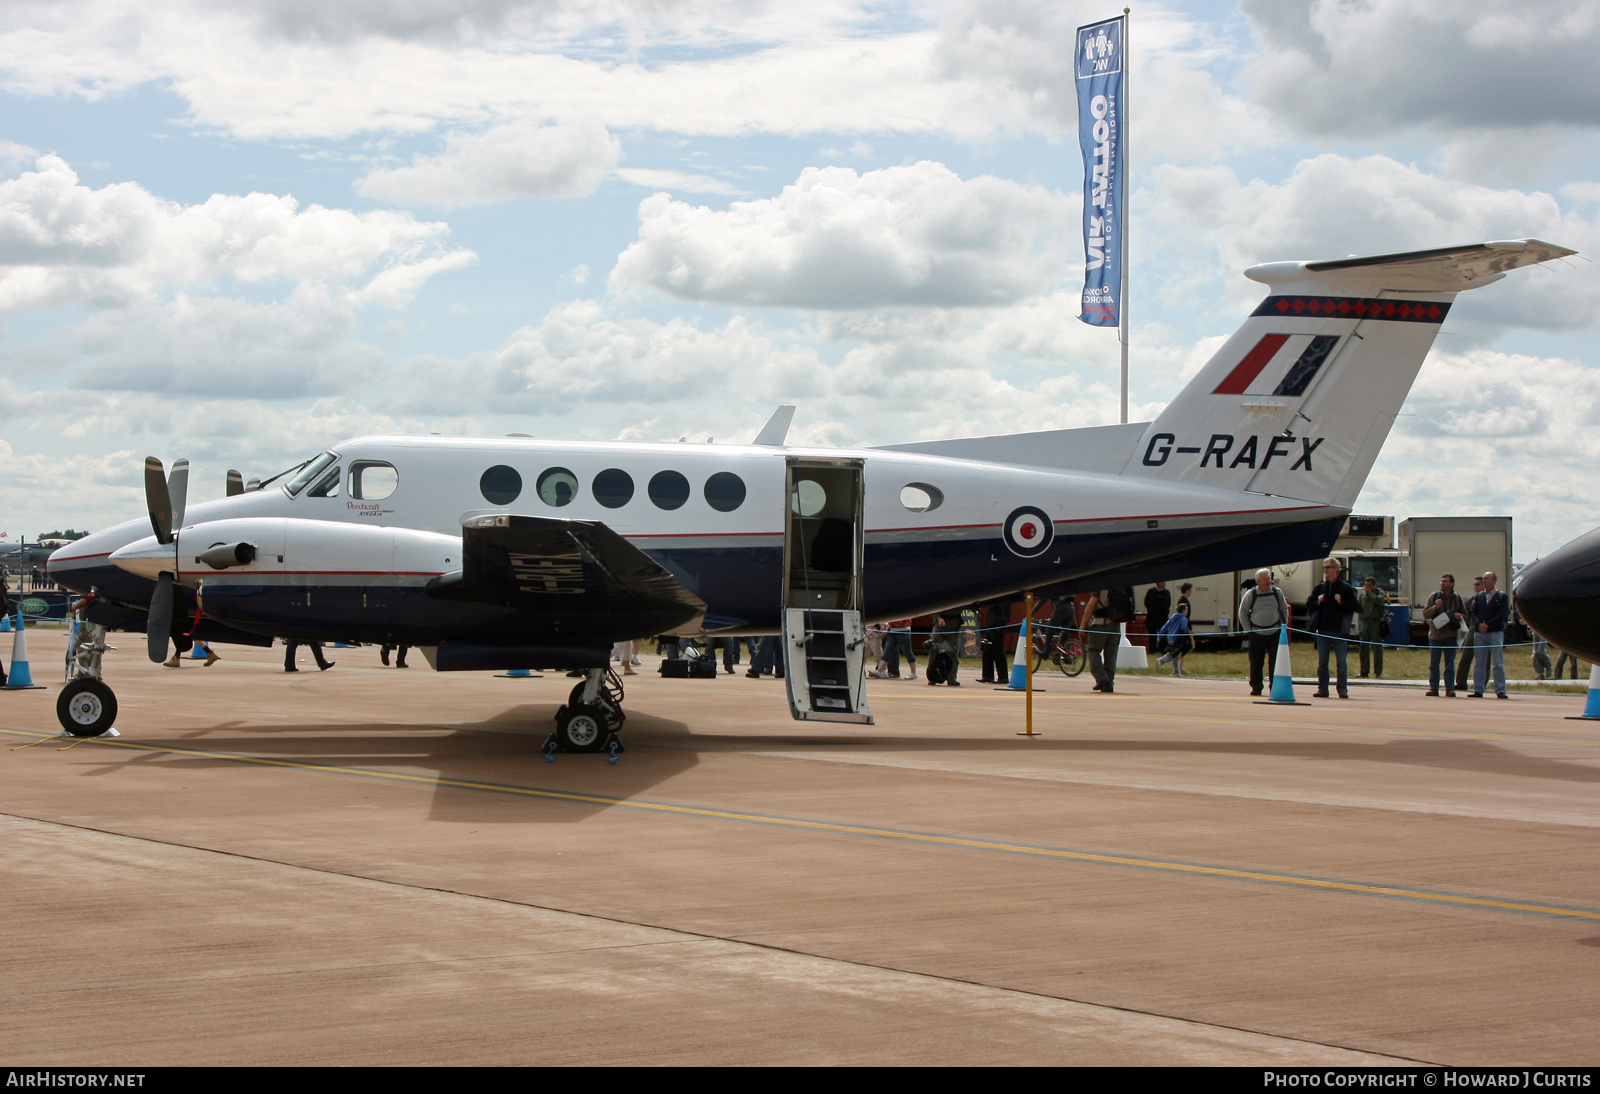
[{"x": 521, "y": 553}]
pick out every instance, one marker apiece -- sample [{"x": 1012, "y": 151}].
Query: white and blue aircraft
[{"x": 502, "y": 553}]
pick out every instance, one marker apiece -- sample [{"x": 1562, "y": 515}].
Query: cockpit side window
[
  {"x": 327, "y": 486},
  {"x": 310, "y": 472},
  {"x": 372, "y": 480}
]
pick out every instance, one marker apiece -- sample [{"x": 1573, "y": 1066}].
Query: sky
[{"x": 242, "y": 232}]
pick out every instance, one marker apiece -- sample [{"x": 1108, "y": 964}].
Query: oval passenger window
[
  {"x": 669, "y": 489},
  {"x": 808, "y": 498},
  {"x": 500, "y": 485},
  {"x": 613, "y": 488},
  {"x": 557, "y": 486},
  {"x": 724, "y": 491},
  {"x": 919, "y": 497}
]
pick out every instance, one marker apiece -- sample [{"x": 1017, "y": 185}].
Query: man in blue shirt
[{"x": 1489, "y": 611}]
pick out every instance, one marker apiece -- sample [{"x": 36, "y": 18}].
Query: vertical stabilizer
[{"x": 1299, "y": 401}]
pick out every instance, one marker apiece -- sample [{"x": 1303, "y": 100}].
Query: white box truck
[{"x": 1463, "y": 546}]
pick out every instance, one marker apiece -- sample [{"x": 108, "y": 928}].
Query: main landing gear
[{"x": 591, "y": 717}]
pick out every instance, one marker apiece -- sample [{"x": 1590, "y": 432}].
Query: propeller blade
[
  {"x": 158, "y": 500},
  {"x": 235, "y": 483},
  {"x": 178, "y": 491},
  {"x": 158, "y": 628}
]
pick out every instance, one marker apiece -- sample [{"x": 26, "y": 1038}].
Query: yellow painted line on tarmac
[{"x": 925, "y": 838}]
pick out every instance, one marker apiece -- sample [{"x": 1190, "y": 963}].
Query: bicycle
[{"x": 1062, "y": 648}]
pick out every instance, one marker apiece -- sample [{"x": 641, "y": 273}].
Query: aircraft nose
[
  {"x": 1559, "y": 596},
  {"x": 146, "y": 557}
]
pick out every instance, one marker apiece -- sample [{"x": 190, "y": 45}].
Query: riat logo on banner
[{"x": 1100, "y": 133}]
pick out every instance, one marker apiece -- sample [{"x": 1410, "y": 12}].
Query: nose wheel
[{"x": 86, "y": 707}]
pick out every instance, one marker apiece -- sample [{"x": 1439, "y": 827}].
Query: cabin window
[
  {"x": 808, "y": 498},
  {"x": 309, "y": 472},
  {"x": 613, "y": 488},
  {"x": 327, "y": 486},
  {"x": 919, "y": 497},
  {"x": 669, "y": 489},
  {"x": 500, "y": 485},
  {"x": 724, "y": 491},
  {"x": 557, "y": 486},
  {"x": 372, "y": 480}
]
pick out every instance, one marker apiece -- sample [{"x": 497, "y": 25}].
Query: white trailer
[{"x": 1464, "y": 546}]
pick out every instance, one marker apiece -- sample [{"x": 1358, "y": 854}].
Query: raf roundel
[{"x": 1029, "y": 531}]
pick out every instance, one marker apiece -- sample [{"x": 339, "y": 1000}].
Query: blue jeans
[
  {"x": 892, "y": 645},
  {"x": 766, "y": 656},
  {"x": 1491, "y": 646},
  {"x": 1446, "y": 647},
  {"x": 1341, "y": 651}
]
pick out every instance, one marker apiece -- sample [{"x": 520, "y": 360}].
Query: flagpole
[{"x": 1122, "y": 302}]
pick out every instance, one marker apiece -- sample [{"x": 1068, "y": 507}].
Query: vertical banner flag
[{"x": 1100, "y": 133}]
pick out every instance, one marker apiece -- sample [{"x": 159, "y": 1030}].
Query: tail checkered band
[{"x": 1354, "y": 307}]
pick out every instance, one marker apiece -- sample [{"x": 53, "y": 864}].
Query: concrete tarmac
[{"x": 372, "y": 865}]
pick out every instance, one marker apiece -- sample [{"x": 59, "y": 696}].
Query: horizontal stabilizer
[{"x": 1447, "y": 269}]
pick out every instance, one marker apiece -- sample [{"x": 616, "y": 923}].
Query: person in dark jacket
[
  {"x": 5, "y": 609},
  {"x": 1157, "y": 606},
  {"x": 996, "y": 626},
  {"x": 1490, "y": 609},
  {"x": 1329, "y": 609}
]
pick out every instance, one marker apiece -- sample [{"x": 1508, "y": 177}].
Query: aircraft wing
[{"x": 565, "y": 567}]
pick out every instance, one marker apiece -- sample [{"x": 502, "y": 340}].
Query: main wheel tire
[
  {"x": 582, "y": 729},
  {"x": 86, "y": 707}
]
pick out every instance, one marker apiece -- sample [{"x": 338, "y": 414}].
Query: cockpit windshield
[{"x": 309, "y": 473}]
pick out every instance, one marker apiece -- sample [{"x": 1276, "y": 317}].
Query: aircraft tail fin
[{"x": 1299, "y": 401}]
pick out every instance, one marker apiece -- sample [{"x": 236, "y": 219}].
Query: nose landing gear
[{"x": 86, "y": 707}]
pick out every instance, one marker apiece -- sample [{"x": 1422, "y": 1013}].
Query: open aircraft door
[{"x": 824, "y": 646}]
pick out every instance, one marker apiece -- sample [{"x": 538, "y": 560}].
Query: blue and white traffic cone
[
  {"x": 1591, "y": 709},
  {"x": 5, "y": 622},
  {"x": 21, "y": 676},
  {"x": 1282, "y": 679},
  {"x": 1019, "y": 668}
]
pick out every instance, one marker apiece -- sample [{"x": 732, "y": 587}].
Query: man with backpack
[
  {"x": 1262, "y": 611},
  {"x": 1103, "y": 616}
]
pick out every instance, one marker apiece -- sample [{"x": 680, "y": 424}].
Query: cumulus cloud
[
  {"x": 1331, "y": 206},
  {"x": 660, "y": 179},
  {"x": 222, "y": 346},
  {"x": 836, "y": 67},
  {"x": 1490, "y": 432},
  {"x": 1024, "y": 46},
  {"x": 1331, "y": 67},
  {"x": 565, "y": 159},
  {"x": 64, "y": 243},
  {"x": 835, "y": 239}
]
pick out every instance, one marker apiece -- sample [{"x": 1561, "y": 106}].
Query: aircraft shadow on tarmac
[{"x": 504, "y": 750}]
